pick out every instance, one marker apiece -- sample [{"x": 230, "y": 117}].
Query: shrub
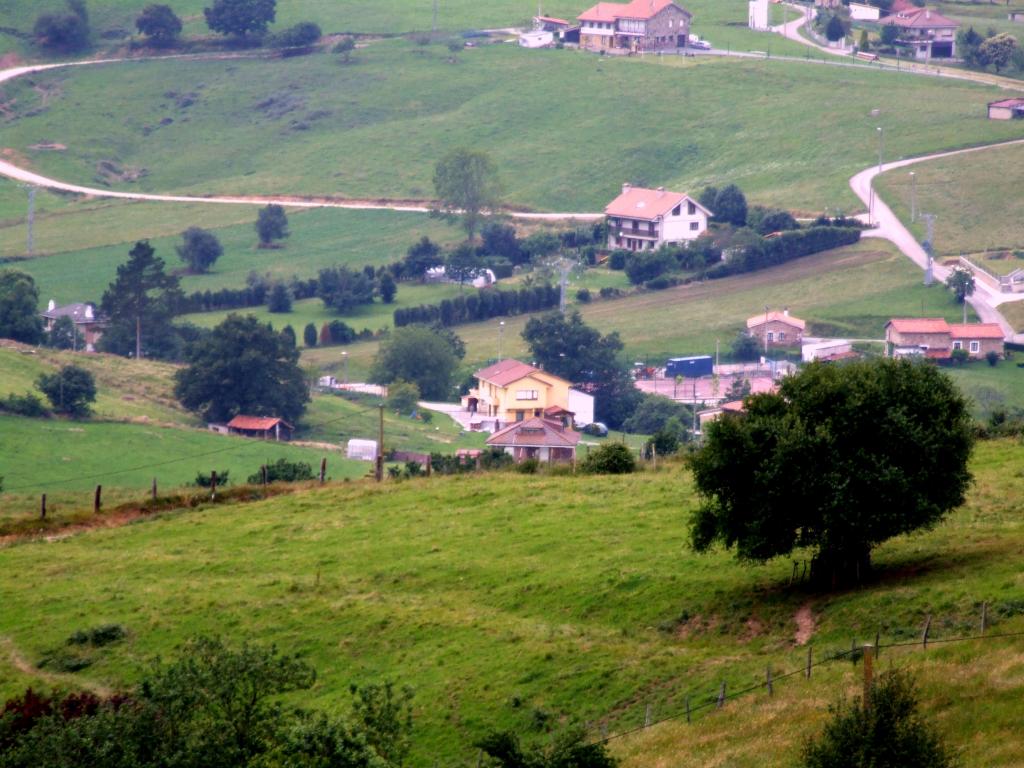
[
  {"x": 403, "y": 396},
  {"x": 610, "y": 459},
  {"x": 284, "y": 471},
  {"x": 890, "y": 733},
  {"x": 309, "y": 335},
  {"x": 205, "y": 480},
  {"x": 280, "y": 299},
  {"x": 104, "y": 634},
  {"x": 609, "y": 292},
  {"x": 24, "y": 405},
  {"x": 160, "y": 24},
  {"x": 992, "y": 357},
  {"x": 70, "y": 390},
  {"x": 617, "y": 259},
  {"x": 528, "y": 467},
  {"x": 302, "y": 35},
  {"x": 643, "y": 266},
  {"x": 583, "y": 296},
  {"x": 660, "y": 283},
  {"x": 67, "y": 31}
]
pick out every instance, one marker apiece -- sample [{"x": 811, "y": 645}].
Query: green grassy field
[
  {"x": 973, "y": 196},
  {"x": 579, "y": 599},
  {"x": 307, "y": 125}
]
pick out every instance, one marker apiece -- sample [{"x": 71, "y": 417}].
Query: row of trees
[
  {"x": 998, "y": 50},
  {"x": 481, "y": 305}
]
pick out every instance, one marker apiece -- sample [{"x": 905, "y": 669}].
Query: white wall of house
[
  {"x": 757, "y": 14},
  {"x": 685, "y": 226},
  {"x": 861, "y": 12},
  {"x": 582, "y": 406}
]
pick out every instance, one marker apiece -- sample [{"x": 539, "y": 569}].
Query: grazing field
[
  {"x": 580, "y": 599},
  {"x": 308, "y": 125},
  {"x": 975, "y": 198},
  {"x": 849, "y": 292}
]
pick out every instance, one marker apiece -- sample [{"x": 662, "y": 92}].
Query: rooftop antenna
[{"x": 929, "y": 247}]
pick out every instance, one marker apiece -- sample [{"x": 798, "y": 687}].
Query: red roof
[
  {"x": 1007, "y": 103},
  {"x": 256, "y": 423},
  {"x": 557, "y": 410},
  {"x": 553, "y": 20},
  {"x": 922, "y": 18},
  {"x": 919, "y": 325},
  {"x": 637, "y": 9},
  {"x": 976, "y": 331},
  {"x": 535, "y": 433},
  {"x": 649, "y": 204},
  {"x": 505, "y": 372},
  {"x": 776, "y": 317}
]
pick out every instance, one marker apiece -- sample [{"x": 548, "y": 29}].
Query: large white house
[{"x": 645, "y": 219}]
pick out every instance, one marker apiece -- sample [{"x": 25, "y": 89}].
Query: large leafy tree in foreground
[
  {"x": 841, "y": 459},
  {"x": 243, "y": 367},
  {"x": 424, "y": 356},
  {"x": 19, "y": 315}
]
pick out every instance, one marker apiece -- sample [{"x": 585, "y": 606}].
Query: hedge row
[
  {"x": 482, "y": 305},
  {"x": 789, "y": 245}
]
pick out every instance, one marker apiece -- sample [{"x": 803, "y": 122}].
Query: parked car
[
  {"x": 596, "y": 428},
  {"x": 700, "y": 45}
]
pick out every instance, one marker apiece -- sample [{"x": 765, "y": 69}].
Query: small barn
[
  {"x": 1006, "y": 109},
  {"x": 263, "y": 427}
]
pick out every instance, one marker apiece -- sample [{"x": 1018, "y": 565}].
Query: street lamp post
[
  {"x": 501, "y": 334},
  {"x": 881, "y": 147},
  {"x": 344, "y": 358},
  {"x": 766, "y": 332},
  {"x": 913, "y": 197}
]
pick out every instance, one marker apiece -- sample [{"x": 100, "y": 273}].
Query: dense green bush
[
  {"x": 284, "y": 471},
  {"x": 301, "y": 35},
  {"x": 610, "y": 459},
  {"x": 24, "y": 405},
  {"x": 785, "y": 247}
]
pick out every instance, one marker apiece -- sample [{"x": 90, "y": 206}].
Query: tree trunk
[
  {"x": 138, "y": 337},
  {"x": 840, "y": 570}
]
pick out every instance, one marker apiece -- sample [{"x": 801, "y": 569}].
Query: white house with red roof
[
  {"x": 543, "y": 439},
  {"x": 927, "y": 34},
  {"x": 935, "y": 338},
  {"x": 640, "y": 25},
  {"x": 642, "y": 219}
]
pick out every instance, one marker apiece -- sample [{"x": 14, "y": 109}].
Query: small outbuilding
[
  {"x": 361, "y": 450},
  {"x": 1006, "y": 109},
  {"x": 263, "y": 427}
]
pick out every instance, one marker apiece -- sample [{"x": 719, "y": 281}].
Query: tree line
[{"x": 484, "y": 304}]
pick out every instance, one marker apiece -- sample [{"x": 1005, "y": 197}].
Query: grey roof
[{"x": 79, "y": 313}]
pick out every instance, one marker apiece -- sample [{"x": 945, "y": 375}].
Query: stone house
[
  {"x": 935, "y": 338},
  {"x": 642, "y": 219},
  {"x": 640, "y": 25},
  {"x": 782, "y": 329}
]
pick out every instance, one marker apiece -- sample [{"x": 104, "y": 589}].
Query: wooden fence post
[
  {"x": 323, "y": 470},
  {"x": 868, "y": 670},
  {"x": 721, "y": 696},
  {"x": 877, "y": 634},
  {"x": 927, "y": 627},
  {"x": 154, "y": 489},
  {"x": 213, "y": 484},
  {"x": 647, "y": 716},
  {"x": 807, "y": 674},
  {"x": 97, "y": 499},
  {"x": 429, "y": 470},
  {"x": 42, "y": 508},
  {"x": 768, "y": 679},
  {"x": 687, "y": 709},
  {"x": 984, "y": 617}
]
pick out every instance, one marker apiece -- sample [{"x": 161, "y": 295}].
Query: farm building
[
  {"x": 782, "y": 329},
  {"x": 87, "y": 322},
  {"x": 544, "y": 439},
  {"x": 536, "y": 38},
  {"x": 935, "y": 338},
  {"x": 1006, "y": 109},
  {"x": 642, "y": 219},
  {"x": 264, "y": 427},
  {"x": 641, "y": 25},
  {"x": 864, "y": 12},
  {"x": 833, "y": 349},
  {"x": 1017, "y": 16}
]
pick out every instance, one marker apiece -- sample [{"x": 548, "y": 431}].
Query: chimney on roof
[
  {"x": 626, "y": 186},
  {"x": 89, "y": 314},
  {"x": 661, "y": 191},
  {"x": 52, "y": 305},
  {"x": 927, "y": 14},
  {"x": 785, "y": 311}
]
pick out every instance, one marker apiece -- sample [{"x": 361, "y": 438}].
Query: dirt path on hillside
[
  {"x": 805, "y": 624},
  {"x": 57, "y": 680}
]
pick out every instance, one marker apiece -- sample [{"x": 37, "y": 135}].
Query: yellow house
[{"x": 511, "y": 391}]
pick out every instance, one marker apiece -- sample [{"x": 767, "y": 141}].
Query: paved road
[{"x": 888, "y": 226}]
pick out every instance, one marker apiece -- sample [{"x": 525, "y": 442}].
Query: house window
[
  {"x": 782, "y": 335},
  {"x": 520, "y": 415},
  {"x": 975, "y": 346},
  {"x": 526, "y": 394},
  {"x": 677, "y": 210},
  {"x": 691, "y": 208},
  {"x": 958, "y": 345},
  {"x": 694, "y": 226},
  {"x": 771, "y": 336}
]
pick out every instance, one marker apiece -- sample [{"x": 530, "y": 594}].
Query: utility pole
[
  {"x": 31, "y": 218},
  {"x": 433, "y": 25},
  {"x": 929, "y": 248},
  {"x": 913, "y": 197},
  {"x": 501, "y": 334},
  {"x": 379, "y": 467},
  {"x": 766, "y": 333},
  {"x": 565, "y": 267}
]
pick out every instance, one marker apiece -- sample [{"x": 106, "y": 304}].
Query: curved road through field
[{"x": 887, "y": 225}]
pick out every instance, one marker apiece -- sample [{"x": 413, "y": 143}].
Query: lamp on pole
[
  {"x": 766, "y": 332},
  {"x": 881, "y": 147},
  {"x": 344, "y": 358},
  {"x": 913, "y": 197},
  {"x": 501, "y": 334}
]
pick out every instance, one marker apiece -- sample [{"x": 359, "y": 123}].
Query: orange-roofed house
[
  {"x": 927, "y": 34},
  {"x": 546, "y": 440},
  {"x": 781, "y": 328},
  {"x": 642, "y": 219},
  {"x": 640, "y": 25},
  {"x": 511, "y": 391},
  {"x": 933, "y": 337},
  {"x": 264, "y": 427}
]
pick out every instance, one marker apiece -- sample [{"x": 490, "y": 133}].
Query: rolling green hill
[{"x": 509, "y": 601}]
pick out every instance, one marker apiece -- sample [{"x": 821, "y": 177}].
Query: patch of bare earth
[
  {"x": 804, "y": 618},
  {"x": 23, "y": 665}
]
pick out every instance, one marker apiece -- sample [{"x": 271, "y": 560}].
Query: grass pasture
[
  {"x": 309, "y": 126},
  {"x": 975, "y": 198},
  {"x": 579, "y": 600}
]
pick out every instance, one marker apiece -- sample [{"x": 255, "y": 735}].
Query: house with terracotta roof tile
[
  {"x": 543, "y": 439},
  {"x": 264, "y": 427},
  {"x": 782, "y": 328},
  {"x": 925, "y": 33},
  {"x": 640, "y": 25},
  {"x": 934, "y": 338},
  {"x": 642, "y": 219},
  {"x": 511, "y": 391}
]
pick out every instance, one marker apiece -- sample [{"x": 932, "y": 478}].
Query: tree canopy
[
  {"x": 240, "y": 17},
  {"x": 419, "y": 355},
  {"x": 199, "y": 249},
  {"x": 961, "y": 282},
  {"x": 159, "y": 23},
  {"x": 467, "y": 185},
  {"x": 243, "y": 367},
  {"x": 139, "y": 305},
  {"x": 568, "y": 347},
  {"x": 67, "y": 31},
  {"x": 19, "y": 302},
  {"x": 839, "y": 460},
  {"x": 70, "y": 390},
  {"x": 730, "y": 206},
  {"x": 343, "y": 289},
  {"x": 271, "y": 224}
]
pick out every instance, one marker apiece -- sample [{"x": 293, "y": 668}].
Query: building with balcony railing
[
  {"x": 642, "y": 219},
  {"x": 641, "y": 25}
]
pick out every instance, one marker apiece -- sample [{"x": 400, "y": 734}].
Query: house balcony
[{"x": 641, "y": 233}]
